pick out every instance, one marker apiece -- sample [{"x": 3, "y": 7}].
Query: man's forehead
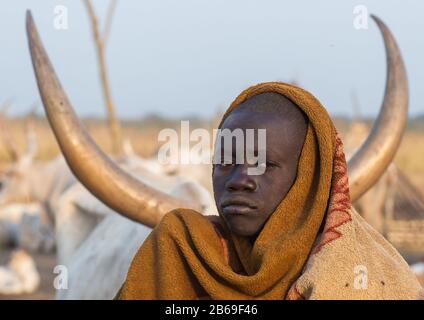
[
  {"x": 280, "y": 132},
  {"x": 270, "y": 105},
  {"x": 247, "y": 119},
  {"x": 270, "y": 102}
]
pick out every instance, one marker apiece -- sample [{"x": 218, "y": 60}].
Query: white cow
[{"x": 29, "y": 191}]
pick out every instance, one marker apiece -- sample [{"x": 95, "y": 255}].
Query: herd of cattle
[
  {"x": 45, "y": 208},
  {"x": 90, "y": 240}
]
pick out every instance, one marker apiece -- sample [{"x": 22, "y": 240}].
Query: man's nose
[{"x": 241, "y": 181}]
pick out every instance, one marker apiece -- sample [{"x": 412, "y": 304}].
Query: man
[{"x": 288, "y": 233}]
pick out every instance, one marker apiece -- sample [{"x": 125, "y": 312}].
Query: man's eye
[
  {"x": 267, "y": 164},
  {"x": 262, "y": 165}
]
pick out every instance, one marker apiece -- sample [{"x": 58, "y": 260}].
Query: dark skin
[{"x": 247, "y": 201}]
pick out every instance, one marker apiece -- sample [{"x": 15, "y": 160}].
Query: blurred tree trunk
[{"x": 100, "y": 42}]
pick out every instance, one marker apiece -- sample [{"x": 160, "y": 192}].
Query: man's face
[{"x": 246, "y": 201}]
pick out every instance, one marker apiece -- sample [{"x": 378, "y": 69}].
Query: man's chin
[{"x": 241, "y": 226}]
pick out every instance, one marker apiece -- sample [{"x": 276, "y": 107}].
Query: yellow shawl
[{"x": 189, "y": 256}]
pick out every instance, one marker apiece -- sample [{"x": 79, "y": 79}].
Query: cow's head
[{"x": 135, "y": 200}]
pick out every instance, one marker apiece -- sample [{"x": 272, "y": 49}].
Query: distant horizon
[{"x": 39, "y": 115}]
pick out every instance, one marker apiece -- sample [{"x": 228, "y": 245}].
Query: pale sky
[{"x": 191, "y": 57}]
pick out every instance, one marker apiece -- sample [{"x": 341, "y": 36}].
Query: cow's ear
[
  {"x": 27, "y": 159},
  {"x": 31, "y": 143}
]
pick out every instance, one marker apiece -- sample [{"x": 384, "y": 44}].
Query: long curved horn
[
  {"x": 377, "y": 152},
  {"x": 102, "y": 177}
]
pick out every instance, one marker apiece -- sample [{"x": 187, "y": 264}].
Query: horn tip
[
  {"x": 29, "y": 18},
  {"x": 374, "y": 17},
  {"x": 378, "y": 21},
  {"x": 29, "y": 21}
]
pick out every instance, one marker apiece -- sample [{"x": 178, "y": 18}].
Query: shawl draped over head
[{"x": 314, "y": 245}]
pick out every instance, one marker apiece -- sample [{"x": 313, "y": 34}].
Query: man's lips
[
  {"x": 237, "y": 206},
  {"x": 237, "y": 210}
]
